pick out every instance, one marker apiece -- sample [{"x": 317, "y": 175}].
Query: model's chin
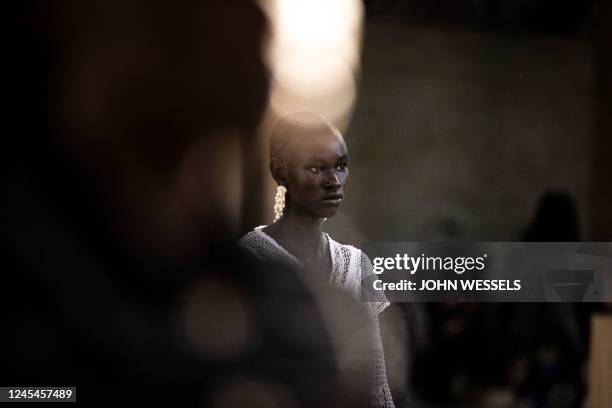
[{"x": 329, "y": 211}]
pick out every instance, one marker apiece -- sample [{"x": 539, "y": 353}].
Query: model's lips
[{"x": 333, "y": 199}]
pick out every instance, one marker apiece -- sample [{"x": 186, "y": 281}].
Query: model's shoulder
[
  {"x": 355, "y": 265},
  {"x": 248, "y": 244},
  {"x": 256, "y": 243},
  {"x": 253, "y": 237},
  {"x": 248, "y": 238},
  {"x": 340, "y": 246},
  {"x": 264, "y": 247},
  {"x": 349, "y": 251}
]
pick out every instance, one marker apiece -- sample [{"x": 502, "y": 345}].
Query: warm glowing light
[
  {"x": 327, "y": 87},
  {"x": 314, "y": 56},
  {"x": 324, "y": 25}
]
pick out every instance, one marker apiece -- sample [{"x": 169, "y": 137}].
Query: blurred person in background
[
  {"x": 553, "y": 338},
  {"x": 119, "y": 209},
  {"x": 309, "y": 162}
]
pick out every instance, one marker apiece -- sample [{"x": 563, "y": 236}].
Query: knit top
[{"x": 349, "y": 265}]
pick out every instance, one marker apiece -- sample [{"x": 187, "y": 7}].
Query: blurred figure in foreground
[{"x": 121, "y": 193}]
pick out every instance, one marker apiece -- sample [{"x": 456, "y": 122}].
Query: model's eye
[
  {"x": 315, "y": 169},
  {"x": 342, "y": 166}
]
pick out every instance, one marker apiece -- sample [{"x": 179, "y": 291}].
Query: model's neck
[{"x": 302, "y": 228}]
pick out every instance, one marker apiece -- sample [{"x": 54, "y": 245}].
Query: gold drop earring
[{"x": 279, "y": 202}]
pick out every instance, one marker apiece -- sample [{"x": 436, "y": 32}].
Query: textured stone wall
[{"x": 456, "y": 133}]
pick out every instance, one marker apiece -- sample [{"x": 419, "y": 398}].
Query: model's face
[{"x": 317, "y": 173}]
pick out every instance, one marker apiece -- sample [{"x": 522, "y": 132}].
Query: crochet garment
[{"x": 347, "y": 264}]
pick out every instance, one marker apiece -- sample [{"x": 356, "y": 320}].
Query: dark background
[{"x": 131, "y": 161}]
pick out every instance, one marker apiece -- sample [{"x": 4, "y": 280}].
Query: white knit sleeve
[
  {"x": 367, "y": 276},
  {"x": 381, "y": 393}
]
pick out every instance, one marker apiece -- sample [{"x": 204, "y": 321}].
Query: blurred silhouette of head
[
  {"x": 309, "y": 157},
  {"x": 556, "y": 219},
  {"x": 147, "y": 104}
]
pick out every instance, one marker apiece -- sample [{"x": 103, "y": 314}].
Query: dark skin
[{"x": 313, "y": 168}]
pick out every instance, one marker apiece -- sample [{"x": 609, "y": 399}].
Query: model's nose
[{"x": 332, "y": 180}]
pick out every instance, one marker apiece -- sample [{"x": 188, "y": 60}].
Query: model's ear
[{"x": 279, "y": 171}]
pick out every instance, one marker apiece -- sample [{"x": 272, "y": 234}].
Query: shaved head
[{"x": 296, "y": 129}]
